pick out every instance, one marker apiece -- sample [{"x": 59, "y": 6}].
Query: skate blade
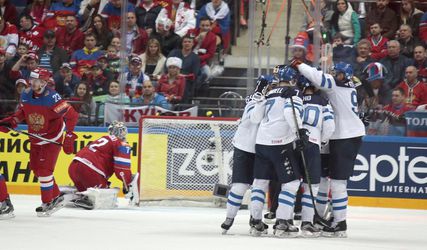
[
  {"x": 7, "y": 216},
  {"x": 57, "y": 207},
  {"x": 269, "y": 221},
  {"x": 308, "y": 234},
  {"x": 341, "y": 234},
  {"x": 284, "y": 234},
  {"x": 43, "y": 214},
  {"x": 224, "y": 231},
  {"x": 255, "y": 232}
]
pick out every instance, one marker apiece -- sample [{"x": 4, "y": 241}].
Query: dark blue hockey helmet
[
  {"x": 303, "y": 82},
  {"x": 344, "y": 68},
  {"x": 284, "y": 73}
]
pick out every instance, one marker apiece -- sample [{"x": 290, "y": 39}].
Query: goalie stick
[
  {"x": 317, "y": 217},
  {"x": 30, "y": 134}
]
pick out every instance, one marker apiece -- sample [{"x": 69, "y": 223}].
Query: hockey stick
[
  {"x": 30, "y": 134},
  {"x": 317, "y": 217}
]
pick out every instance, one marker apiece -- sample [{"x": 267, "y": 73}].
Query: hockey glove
[
  {"x": 132, "y": 191},
  {"x": 295, "y": 63},
  {"x": 364, "y": 118},
  {"x": 258, "y": 97},
  {"x": 6, "y": 123},
  {"x": 302, "y": 142},
  {"x": 68, "y": 144},
  {"x": 262, "y": 84}
]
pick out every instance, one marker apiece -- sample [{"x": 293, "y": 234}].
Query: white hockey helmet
[{"x": 118, "y": 129}]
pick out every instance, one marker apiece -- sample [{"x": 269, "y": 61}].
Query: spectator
[
  {"x": 6, "y": 85},
  {"x": 385, "y": 16},
  {"x": 70, "y": 38},
  {"x": 146, "y": 14},
  {"x": 38, "y": 10},
  {"x": 30, "y": 34},
  {"x": 20, "y": 86},
  {"x": 112, "y": 10},
  {"x": 422, "y": 34},
  {"x": 153, "y": 61},
  {"x": 65, "y": 81},
  {"x": 84, "y": 104},
  {"x": 346, "y": 21},
  {"x": 181, "y": 15},
  {"x": 378, "y": 42},
  {"x": 90, "y": 8},
  {"x": 136, "y": 38},
  {"x": 62, "y": 9},
  {"x": 24, "y": 66},
  {"x": 363, "y": 58},
  {"x": 150, "y": 97},
  {"x": 300, "y": 47},
  {"x": 407, "y": 41},
  {"x": 114, "y": 96},
  {"x": 97, "y": 80},
  {"x": 113, "y": 61},
  {"x": 420, "y": 58},
  {"x": 135, "y": 77},
  {"x": 326, "y": 13},
  {"x": 395, "y": 64},
  {"x": 81, "y": 58},
  {"x": 219, "y": 12},
  {"x": 415, "y": 91},
  {"x": 116, "y": 43},
  {"x": 8, "y": 11},
  {"x": 172, "y": 84},
  {"x": 205, "y": 48},
  {"x": 190, "y": 67},
  {"x": 410, "y": 15},
  {"x": 20, "y": 51},
  {"x": 51, "y": 56},
  {"x": 341, "y": 52},
  {"x": 100, "y": 29},
  {"x": 395, "y": 112},
  {"x": 168, "y": 40},
  {"x": 9, "y": 38}
]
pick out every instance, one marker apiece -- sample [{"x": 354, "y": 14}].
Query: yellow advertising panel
[{"x": 14, "y": 161}]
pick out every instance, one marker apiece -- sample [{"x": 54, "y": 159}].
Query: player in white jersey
[
  {"x": 346, "y": 140},
  {"x": 244, "y": 155},
  {"x": 318, "y": 119},
  {"x": 275, "y": 151}
]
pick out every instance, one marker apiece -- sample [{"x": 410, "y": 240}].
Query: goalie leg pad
[{"x": 102, "y": 198}]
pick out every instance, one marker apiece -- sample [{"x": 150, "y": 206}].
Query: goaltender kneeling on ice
[{"x": 95, "y": 164}]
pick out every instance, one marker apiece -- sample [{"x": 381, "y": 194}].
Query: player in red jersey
[
  {"x": 97, "y": 162},
  {"x": 6, "y": 207},
  {"x": 46, "y": 115}
]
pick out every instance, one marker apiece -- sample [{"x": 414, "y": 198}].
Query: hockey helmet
[
  {"x": 345, "y": 68},
  {"x": 284, "y": 73},
  {"x": 375, "y": 71},
  {"x": 303, "y": 82},
  {"x": 118, "y": 129}
]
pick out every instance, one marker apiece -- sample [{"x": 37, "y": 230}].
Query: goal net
[{"x": 182, "y": 158}]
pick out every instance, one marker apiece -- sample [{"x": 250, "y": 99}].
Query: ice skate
[
  {"x": 308, "y": 230},
  {"x": 226, "y": 225},
  {"x": 6, "y": 209},
  {"x": 257, "y": 228},
  {"x": 47, "y": 209},
  {"x": 270, "y": 217},
  {"x": 285, "y": 229},
  {"x": 252, "y": 222},
  {"x": 84, "y": 202},
  {"x": 337, "y": 231}
]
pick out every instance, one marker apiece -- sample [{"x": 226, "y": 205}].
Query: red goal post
[{"x": 182, "y": 158}]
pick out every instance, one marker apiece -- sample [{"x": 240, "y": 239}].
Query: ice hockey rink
[{"x": 161, "y": 227}]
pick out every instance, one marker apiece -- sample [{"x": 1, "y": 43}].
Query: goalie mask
[{"x": 118, "y": 129}]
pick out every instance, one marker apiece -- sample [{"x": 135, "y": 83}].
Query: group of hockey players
[
  {"x": 292, "y": 117},
  {"x": 47, "y": 115}
]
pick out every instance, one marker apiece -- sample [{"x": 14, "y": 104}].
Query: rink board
[{"x": 389, "y": 171}]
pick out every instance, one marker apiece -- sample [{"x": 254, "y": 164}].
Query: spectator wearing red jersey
[
  {"x": 8, "y": 11},
  {"x": 70, "y": 38},
  {"x": 394, "y": 112},
  {"x": 38, "y": 10},
  {"x": 378, "y": 42},
  {"x": 30, "y": 33},
  {"x": 9, "y": 38},
  {"x": 181, "y": 15},
  {"x": 422, "y": 32},
  {"x": 172, "y": 84},
  {"x": 385, "y": 16},
  {"x": 415, "y": 91}
]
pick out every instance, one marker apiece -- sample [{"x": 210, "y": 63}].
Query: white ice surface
[{"x": 176, "y": 228}]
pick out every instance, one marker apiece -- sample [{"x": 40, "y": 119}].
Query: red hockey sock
[
  {"x": 47, "y": 186},
  {"x": 3, "y": 189}
]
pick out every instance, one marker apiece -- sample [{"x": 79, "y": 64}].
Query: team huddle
[
  {"x": 300, "y": 128},
  {"x": 47, "y": 116}
]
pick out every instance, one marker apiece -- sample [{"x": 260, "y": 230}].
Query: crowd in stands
[
  {"x": 387, "y": 49},
  {"x": 170, "y": 46}
]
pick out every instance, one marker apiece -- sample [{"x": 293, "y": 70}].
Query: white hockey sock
[
  {"x": 287, "y": 200},
  {"x": 259, "y": 188},
  {"x": 235, "y": 197},
  {"x": 307, "y": 212},
  {"x": 322, "y": 196},
  {"x": 339, "y": 200}
]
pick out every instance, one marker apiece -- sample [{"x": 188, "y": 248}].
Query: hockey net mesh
[{"x": 183, "y": 158}]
